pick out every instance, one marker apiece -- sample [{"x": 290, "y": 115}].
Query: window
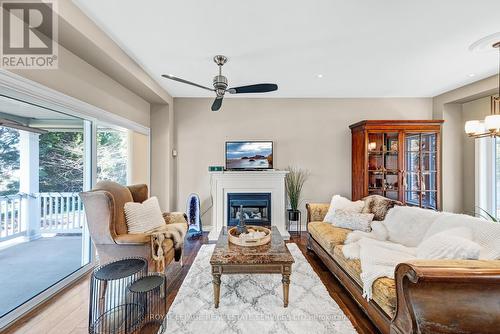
[
  {"x": 487, "y": 178},
  {"x": 112, "y": 154},
  {"x": 497, "y": 177}
]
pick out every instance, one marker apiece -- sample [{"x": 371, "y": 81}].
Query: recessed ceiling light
[
  {"x": 472, "y": 75},
  {"x": 320, "y": 76}
]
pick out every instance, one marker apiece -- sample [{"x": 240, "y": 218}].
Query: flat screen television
[{"x": 249, "y": 155}]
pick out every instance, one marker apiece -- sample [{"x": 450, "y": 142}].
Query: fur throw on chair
[
  {"x": 378, "y": 206},
  {"x": 175, "y": 229}
]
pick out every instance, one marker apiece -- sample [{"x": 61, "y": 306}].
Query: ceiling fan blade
[
  {"x": 259, "y": 88},
  {"x": 217, "y": 103},
  {"x": 171, "y": 77}
]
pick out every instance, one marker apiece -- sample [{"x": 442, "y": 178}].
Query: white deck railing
[
  {"x": 59, "y": 213},
  {"x": 10, "y": 219}
]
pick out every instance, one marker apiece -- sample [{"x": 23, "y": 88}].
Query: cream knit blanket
[{"x": 378, "y": 259}]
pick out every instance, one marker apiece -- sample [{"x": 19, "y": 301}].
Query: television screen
[{"x": 249, "y": 155}]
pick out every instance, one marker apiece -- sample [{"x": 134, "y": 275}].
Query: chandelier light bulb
[
  {"x": 471, "y": 127},
  {"x": 492, "y": 123}
]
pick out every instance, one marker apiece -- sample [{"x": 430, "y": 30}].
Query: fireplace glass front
[{"x": 256, "y": 208}]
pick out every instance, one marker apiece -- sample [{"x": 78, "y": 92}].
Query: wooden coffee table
[{"x": 272, "y": 258}]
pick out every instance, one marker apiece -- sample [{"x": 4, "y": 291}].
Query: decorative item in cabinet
[{"x": 398, "y": 160}]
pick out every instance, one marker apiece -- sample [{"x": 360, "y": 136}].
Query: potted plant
[
  {"x": 294, "y": 181},
  {"x": 482, "y": 213}
]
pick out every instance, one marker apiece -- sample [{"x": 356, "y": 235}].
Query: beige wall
[
  {"x": 308, "y": 133},
  {"x": 448, "y": 106},
  {"x": 162, "y": 171},
  {"x": 477, "y": 109},
  {"x": 452, "y": 159},
  {"x": 138, "y": 153}
]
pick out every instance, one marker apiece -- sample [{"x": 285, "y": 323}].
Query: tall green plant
[
  {"x": 482, "y": 213},
  {"x": 294, "y": 181}
]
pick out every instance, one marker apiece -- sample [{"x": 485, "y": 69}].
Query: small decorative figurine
[{"x": 241, "y": 227}]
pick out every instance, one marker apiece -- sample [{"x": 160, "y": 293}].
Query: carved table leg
[
  {"x": 216, "y": 284},
  {"x": 286, "y": 284}
]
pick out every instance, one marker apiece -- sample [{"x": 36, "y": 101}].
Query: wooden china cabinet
[{"x": 399, "y": 160}]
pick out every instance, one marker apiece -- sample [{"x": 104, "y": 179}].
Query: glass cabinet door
[
  {"x": 421, "y": 169},
  {"x": 383, "y": 164}
]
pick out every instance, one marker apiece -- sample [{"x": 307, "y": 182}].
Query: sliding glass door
[
  {"x": 42, "y": 170},
  {"x": 496, "y": 200}
]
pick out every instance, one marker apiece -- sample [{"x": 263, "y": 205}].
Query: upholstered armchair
[{"x": 104, "y": 208}]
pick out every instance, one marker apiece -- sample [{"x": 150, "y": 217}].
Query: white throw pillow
[
  {"x": 143, "y": 217},
  {"x": 341, "y": 203},
  {"x": 352, "y": 220},
  {"x": 454, "y": 243}
]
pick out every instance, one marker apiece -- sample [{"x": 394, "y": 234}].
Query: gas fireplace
[{"x": 256, "y": 208}]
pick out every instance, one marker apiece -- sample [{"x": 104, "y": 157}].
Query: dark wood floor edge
[
  {"x": 45, "y": 303},
  {"x": 341, "y": 302},
  {"x": 354, "y": 292}
]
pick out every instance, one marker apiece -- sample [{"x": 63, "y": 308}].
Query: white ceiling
[{"x": 384, "y": 48}]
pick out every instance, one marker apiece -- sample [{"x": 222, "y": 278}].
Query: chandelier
[{"x": 490, "y": 126}]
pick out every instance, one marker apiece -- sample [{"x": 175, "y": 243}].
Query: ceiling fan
[{"x": 220, "y": 85}]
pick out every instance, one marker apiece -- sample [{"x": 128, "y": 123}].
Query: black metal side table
[
  {"x": 298, "y": 230},
  {"x": 112, "y": 309},
  {"x": 150, "y": 291}
]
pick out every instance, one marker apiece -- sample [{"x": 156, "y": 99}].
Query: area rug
[{"x": 253, "y": 303}]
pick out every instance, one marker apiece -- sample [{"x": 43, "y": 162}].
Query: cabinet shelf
[{"x": 383, "y": 152}]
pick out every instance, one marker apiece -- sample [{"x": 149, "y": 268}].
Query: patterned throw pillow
[
  {"x": 353, "y": 220},
  {"x": 143, "y": 217}
]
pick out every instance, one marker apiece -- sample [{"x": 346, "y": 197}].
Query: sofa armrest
[
  {"x": 316, "y": 211},
  {"x": 447, "y": 296},
  {"x": 132, "y": 239}
]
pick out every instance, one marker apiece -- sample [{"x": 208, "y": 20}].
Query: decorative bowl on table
[{"x": 255, "y": 236}]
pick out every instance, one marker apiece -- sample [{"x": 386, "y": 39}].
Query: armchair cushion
[
  {"x": 132, "y": 239},
  {"x": 120, "y": 195}
]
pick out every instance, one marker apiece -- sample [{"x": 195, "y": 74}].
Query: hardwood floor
[{"x": 67, "y": 313}]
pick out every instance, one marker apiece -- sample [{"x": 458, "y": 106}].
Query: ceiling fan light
[
  {"x": 472, "y": 127},
  {"x": 492, "y": 123}
]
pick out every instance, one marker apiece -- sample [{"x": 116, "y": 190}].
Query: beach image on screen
[{"x": 249, "y": 155}]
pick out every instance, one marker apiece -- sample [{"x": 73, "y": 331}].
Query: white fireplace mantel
[{"x": 271, "y": 181}]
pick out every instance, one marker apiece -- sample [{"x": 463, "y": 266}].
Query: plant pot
[{"x": 293, "y": 215}]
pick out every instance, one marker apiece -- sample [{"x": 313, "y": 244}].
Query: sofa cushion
[
  {"x": 384, "y": 288},
  {"x": 327, "y": 235}
]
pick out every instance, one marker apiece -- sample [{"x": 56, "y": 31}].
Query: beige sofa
[{"x": 426, "y": 296}]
